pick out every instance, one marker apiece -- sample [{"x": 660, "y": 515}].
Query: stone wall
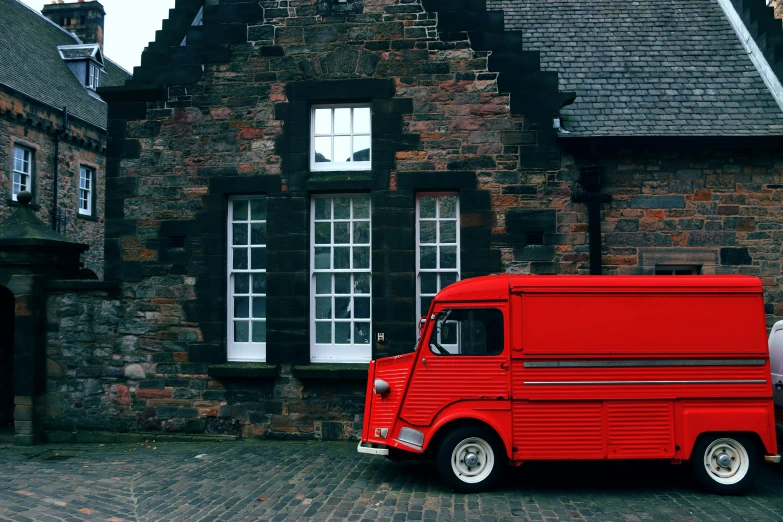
[{"x": 33, "y": 126}]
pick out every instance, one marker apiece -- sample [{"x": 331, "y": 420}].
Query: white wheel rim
[
  {"x": 726, "y": 461},
  {"x": 472, "y": 460}
]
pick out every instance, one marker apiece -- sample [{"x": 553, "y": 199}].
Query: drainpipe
[
  {"x": 591, "y": 178},
  {"x": 57, "y": 135}
]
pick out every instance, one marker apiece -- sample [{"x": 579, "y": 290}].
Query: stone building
[
  {"x": 290, "y": 182},
  {"x": 52, "y": 136}
]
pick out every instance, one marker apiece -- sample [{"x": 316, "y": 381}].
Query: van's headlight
[{"x": 381, "y": 387}]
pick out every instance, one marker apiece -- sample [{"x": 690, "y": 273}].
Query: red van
[{"x": 520, "y": 368}]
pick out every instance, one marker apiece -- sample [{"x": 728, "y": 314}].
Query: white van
[{"x": 776, "y": 364}]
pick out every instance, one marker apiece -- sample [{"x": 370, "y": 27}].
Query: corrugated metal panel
[
  {"x": 555, "y": 430},
  {"x": 445, "y": 380},
  {"x": 384, "y": 409},
  {"x": 638, "y": 429}
]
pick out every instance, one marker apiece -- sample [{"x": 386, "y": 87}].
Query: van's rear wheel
[
  {"x": 470, "y": 459},
  {"x": 726, "y": 465}
]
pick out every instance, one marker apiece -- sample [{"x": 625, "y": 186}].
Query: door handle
[
  {"x": 779, "y": 385},
  {"x": 504, "y": 366}
]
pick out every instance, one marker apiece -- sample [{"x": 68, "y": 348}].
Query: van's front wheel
[
  {"x": 470, "y": 459},
  {"x": 726, "y": 465}
]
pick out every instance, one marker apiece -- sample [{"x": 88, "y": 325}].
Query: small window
[
  {"x": 677, "y": 269},
  {"x": 437, "y": 246},
  {"x": 86, "y": 191},
  {"x": 340, "y": 137},
  {"x": 534, "y": 238},
  {"x": 247, "y": 279},
  {"x": 177, "y": 242},
  {"x": 22, "y": 171},
  {"x": 94, "y": 80},
  {"x": 465, "y": 331}
]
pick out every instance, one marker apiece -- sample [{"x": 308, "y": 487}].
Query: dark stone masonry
[{"x": 216, "y": 137}]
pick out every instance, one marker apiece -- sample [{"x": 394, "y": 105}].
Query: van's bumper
[
  {"x": 775, "y": 459},
  {"x": 372, "y": 449}
]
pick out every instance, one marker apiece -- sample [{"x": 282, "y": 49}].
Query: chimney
[{"x": 83, "y": 18}]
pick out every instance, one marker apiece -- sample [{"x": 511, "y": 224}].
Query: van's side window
[{"x": 467, "y": 331}]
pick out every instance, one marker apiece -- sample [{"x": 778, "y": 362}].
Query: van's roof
[{"x": 498, "y": 286}]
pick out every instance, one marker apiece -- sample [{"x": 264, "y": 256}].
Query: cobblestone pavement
[{"x": 330, "y": 481}]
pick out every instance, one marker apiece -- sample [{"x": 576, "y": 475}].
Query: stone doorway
[{"x": 6, "y": 365}]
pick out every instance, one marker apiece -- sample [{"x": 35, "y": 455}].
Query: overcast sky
[{"x": 130, "y": 25}]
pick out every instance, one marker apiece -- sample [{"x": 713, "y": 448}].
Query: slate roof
[
  {"x": 647, "y": 67},
  {"x": 30, "y": 63}
]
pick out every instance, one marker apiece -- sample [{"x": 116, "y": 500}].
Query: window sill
[
  {"x": 243, "y": 370},
  {"x": 333, "y": 371},
  {"x": 88, "y": 217},
  {"x": 32, "y": 206}
]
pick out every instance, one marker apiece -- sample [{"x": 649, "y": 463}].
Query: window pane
[
  {"x": 259, "y": 331},
  {"x": 342, "y": 235},
  {"x": 241, "y": 331},
  {"x": 242, "y": 283},
  {"x": 240, "y": 234},
  {"x": 258, "y": 209},
  {"x": 447, "y": 278},
  {"x": 427, "y": 257},
  {"x": 240, "y": 210},
  {"x": 342, "y": 283},
  {"x": 448, "y": 257},
  {"x": 475, "y": 332},
  {"x": 361, "y": 208},
  {"x": 240, "y": 259},
  {"x": 342, "y": 120},
  {"x": 323, "y": 121},
  {"x": 448, "y": 207},
  {"x": 342, "y": 258},
  {"x": 259, "y": 283},
  {"x": 323, "y": 208},
  {"x": 427, "y": 206},
  {"x": 323, "y": 307},
  {"x": 361, "y": 257},
  {"x": 448, "y": 231},
  {"x": 342, "y": 208},
  {"x": 259, "y": 307},
  {"x": 342, "y": 307},
  {"x": 427, "y": 232},
  {"x": 323, "y": 283},
  {"x": 429, "y": 283},
  {"x": 323, "y": 258},
  {"x": 323, "y": 150},
  {"x": 362, "y": 284},
  {"x": 242, "y": 307},
  {"x": 342, "y": 149},
  {"x": 342, "y": 333},
  {"x": 258, "y": 234},
  {"x": 323, "y": 233},
  {"x": 361, "y": 120},
  {"x": 425, "y": 304},
  {"x": 323, "y": 333},
  {"x": 361, "y": 148},
  {"x": 258, "y": 259},
  {"x": 361, "y": 233},
  {"x": 361, "y": 307},
  {"x": 361, "y": 333}
]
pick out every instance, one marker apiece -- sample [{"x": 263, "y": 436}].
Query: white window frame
[
  {"x": 332, "y": 352},
  {"x": 21, "y": 179},
  {"x": 94, "y": 76},
  {"x": 345, "y": 165},
  {"x": 86, "y": 188},
  {"x": 438, "y": 244},
  {"x": 243, "y": 351}
]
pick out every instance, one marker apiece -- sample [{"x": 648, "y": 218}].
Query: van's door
[
  {"x": 776, "y": 365},
  {"x": 465, "y": 358}
]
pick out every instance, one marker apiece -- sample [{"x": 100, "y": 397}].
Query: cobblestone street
[{"x": 330, "y": 481}]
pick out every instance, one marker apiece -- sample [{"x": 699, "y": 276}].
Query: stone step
[
  {"x": 522, "y": 82},
  {"x": 512, "y": 61},
  {"x": 452, "y": 21},
  {"x": 496, "y": 40},
  {"x": 454, "y": 5}
]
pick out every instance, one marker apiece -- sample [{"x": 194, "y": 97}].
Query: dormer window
[{"x": 85, "y": 61}]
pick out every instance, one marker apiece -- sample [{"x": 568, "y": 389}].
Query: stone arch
[{"x": 7, "y": 319}]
